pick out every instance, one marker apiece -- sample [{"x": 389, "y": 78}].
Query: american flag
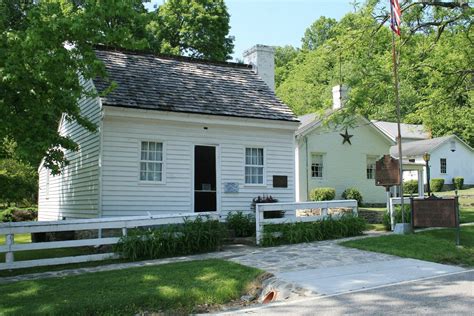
[{"x": 395, "y": 16}]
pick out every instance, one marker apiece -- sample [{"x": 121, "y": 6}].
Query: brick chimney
[{"x": 262, "y": 59}]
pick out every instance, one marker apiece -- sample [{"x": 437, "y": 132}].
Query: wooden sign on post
[
  {"x": 435, "y": 212},
  {"x": 387, "y": 171}
]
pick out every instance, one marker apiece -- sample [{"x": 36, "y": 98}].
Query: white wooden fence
[
  {"x": 301, "y": 212},
  {"x": 391, "y": 208},
  {"x": 123, "y": 223}
]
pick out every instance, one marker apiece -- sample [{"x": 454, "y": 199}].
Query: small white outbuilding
[{"x": 176, "y": 135}]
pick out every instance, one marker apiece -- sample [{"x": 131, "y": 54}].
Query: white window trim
[
  {"x": 445, "y": 166},
  {"x": 264, "y": 184},
  {"x": 366, "y": 165},
  {"x": 323, "y": 155},
  {"x": 163, "y": 162}
]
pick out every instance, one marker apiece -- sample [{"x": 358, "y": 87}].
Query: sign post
[{"x": 387, "y": 175}]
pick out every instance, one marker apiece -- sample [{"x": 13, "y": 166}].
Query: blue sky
[{"x": 276, "y": 22}]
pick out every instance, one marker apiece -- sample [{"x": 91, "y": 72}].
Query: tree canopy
[
  {"x": 435, "y": 67},
  {"x": 46, "y": 46}
]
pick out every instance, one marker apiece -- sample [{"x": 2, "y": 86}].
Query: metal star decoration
[{"x": 347, "y": 137}]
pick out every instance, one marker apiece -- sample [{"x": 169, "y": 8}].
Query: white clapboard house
[
  {"x": 175, "y": 135},
  {"x": 340, "y": 158}
]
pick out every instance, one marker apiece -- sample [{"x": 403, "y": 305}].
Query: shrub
[
  {"x": 18, "y": 182},
  {"x": 352, "y": 194},
  {"x": 330, "y": 228},
  {"x": 410, "y": 187},
  {"x": 458, "y": 183},
  {"x": 323, "y": 194},
  {"x": 191, "y": 237},
  {"x": 243, "y": 225},
  {"x": 398, "y": 216},
  {"x": 436, "y": 184},
  {"x": 19, "y": 215}
]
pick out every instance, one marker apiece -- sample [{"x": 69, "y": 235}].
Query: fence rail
[
  {"x": 123, "y": 223},
  {"x": 301, "y": 212}
]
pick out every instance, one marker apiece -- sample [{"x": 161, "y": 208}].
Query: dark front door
[{"x": 205, "y": 179}]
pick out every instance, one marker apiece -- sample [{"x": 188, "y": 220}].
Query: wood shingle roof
[{"x": 178, "y": 84}]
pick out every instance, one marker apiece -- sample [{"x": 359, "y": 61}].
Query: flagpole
[{"x": 399, "y": 138}]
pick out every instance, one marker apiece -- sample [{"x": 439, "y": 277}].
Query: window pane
[
  {"x": 142, "y": 175},
  {"x": 143, "y": 155},
  {"x": 152, "y": 146},
  {"x": 143, "y": 166},
  {"x": 144, "y": 146},
  {"x": 152, "y": 155}
]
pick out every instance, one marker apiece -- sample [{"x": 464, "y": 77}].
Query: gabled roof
[
  {"x": 419, "y": 147},
  {"x": 311, "y": 121},
  {"x": 180, "y": 84},
  {"x": 412, "y": 131}
]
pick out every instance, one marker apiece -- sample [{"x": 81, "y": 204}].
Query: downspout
[{"x": 306, "y": 166}]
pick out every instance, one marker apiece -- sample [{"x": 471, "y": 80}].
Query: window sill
[
  {"x": 250, "y": 185},
  {"x": 141, "y": 182}
]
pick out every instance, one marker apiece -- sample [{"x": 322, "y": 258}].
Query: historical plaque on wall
[
  {"x": 434, "y": 212},
  {"x": 387, "y": 171},
  {"x": 280, "y": 181}
]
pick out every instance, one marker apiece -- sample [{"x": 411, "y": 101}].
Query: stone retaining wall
[{"x": 372, "y": 217}]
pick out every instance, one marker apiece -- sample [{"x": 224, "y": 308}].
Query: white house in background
[
  {"x": 331, "y": 157},
  {"x": 410, "y": 132},
  {"x": 450, "y": 157},
  {"x": 176, "y": 135}
]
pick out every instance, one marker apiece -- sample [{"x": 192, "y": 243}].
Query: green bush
[
  {"x": 323, "y": 194},
  {"x": 330, "y": 228},
  {"x": 243, "y": 225},
  {"x": 436, "y": 184},
  {"x": 191, "y": 237},
  {"x": 410, "y": 187},
  {"x": 458, "y": 183},
  {"x": 18, "y": 182},
  {"x": 352, "y": 194},
  {"x": 398, "y": 216},
  {"x": 18, "y": 215}
]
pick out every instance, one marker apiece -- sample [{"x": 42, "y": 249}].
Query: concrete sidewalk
[
  {"x": 451, "y": 294},
  {"x": 326, "y": 281}
]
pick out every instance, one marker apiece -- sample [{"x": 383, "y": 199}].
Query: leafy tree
[
  {"x": 284, "y": 57},
  {"x": 318, "y": 33},
  {"x": 197, "y": 28},
  {"x": 435, "y": 69},
  {"x": 46, "y": 47},
  {"x": 19, "y": 182}
]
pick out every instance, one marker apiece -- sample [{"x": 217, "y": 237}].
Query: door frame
[{"x": 218, "y": 175}]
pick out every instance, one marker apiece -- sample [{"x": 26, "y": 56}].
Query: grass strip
[{"x": 178, "y": 288}]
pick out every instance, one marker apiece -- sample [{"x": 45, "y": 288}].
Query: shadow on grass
[{"x": 177, "y": 287}]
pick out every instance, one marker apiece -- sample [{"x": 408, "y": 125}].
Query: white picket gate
[
  {"x": 293, "y": 212},
  {"x": 123, "y": 223}
]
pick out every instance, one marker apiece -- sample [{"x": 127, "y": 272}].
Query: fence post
[
  {"x": 9, "y": 256},
  {"x": 392, "y": 218},
  {"x": 124, "y": 231},
  {"x": 257, "y": 223}
]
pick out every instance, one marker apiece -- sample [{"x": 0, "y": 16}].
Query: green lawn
[
  {"x": 434, "y": 245},
  {"x": 173, "y": 288}
]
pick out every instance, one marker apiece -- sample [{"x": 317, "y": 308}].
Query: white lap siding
[
  {"x": 123, "y": 194},
  {"x": 75, "y": 192}
]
